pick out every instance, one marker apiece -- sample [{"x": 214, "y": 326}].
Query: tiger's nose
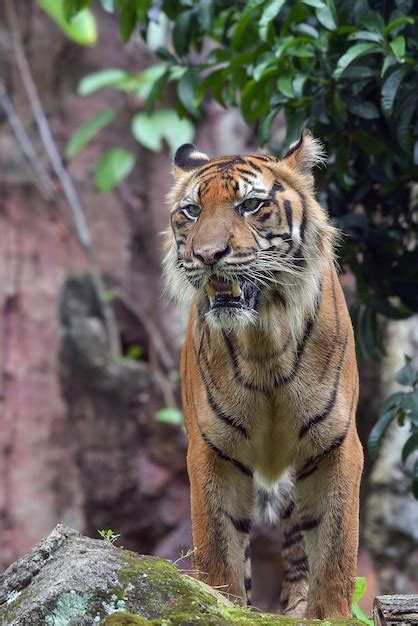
[{"x": 211, "y": 254}]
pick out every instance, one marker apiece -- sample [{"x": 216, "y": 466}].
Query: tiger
[{"x": 269, "y": 381}]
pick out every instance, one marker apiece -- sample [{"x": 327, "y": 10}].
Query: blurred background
[{"x": 95, "y": 96}]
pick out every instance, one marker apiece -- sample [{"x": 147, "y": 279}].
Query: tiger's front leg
[
  {"x": 221, "y": 501},
  {"x": 328, "y": 497}
]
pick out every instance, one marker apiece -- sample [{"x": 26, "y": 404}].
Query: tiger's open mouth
[{"x": 230, "y": 294}]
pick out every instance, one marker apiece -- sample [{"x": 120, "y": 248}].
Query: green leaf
[
  {"x": 366, "y": 35},
  {"x": 393, "y": 401},
  {"x": 284, "y": 85},
  {"x": 398, "y": 47},
  {"x": 365, "y": 110},
  {"x": 353, "y": 53},
  {"x": 145, "y": 81},
  {"x": 108, "y": 5},
  {"x": 327, "y": 16},
  {"x": 170, "y": 415},
  {"x": 410, "y": 446},
  {"x": 186, "y": 89},
  {"x": 377, "y": 433},
  {"x": 165, "y": 124},
  {"x": 387, "y": 63},
  {"x": 404, "y": 125},
  {"x": 254, "y": 102},
  {"x": 360, "y": 588},
  {"x": 82, "y": 28},
  {"x": 359, "y": 592},
  {"x": 113, "y": 166},
  {"x": 98, "y": 80},
  {"x": 318, "y": 4},
  {"x": 401, "y": 21},
  {"x": 373, "y": 21},
  {"x": 415, "y": 480},
  {"x": 87, "y": 131},
  {"x": 72, "y": 7},
  {"x": 298, "y": 84},
  {"x": 406, "y": 375},
  {"x": 127, "y": 19},
  {"x": 182, "y": 31},
  {"x": 390, "y": 89},
  {"x": 270, "y": 11},
  {"x": 205, "y": 14},
  {"x": 146, "y": 131}
]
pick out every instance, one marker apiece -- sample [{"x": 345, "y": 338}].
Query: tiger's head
[{"x": 247, "y": 238}]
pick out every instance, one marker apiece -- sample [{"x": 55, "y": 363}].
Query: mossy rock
[{"x": 71, "y": 580}]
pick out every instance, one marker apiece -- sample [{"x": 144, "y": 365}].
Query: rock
[{"x": 71, "y": 580}]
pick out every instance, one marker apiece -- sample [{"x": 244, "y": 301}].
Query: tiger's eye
[
  {"x": 191, "y": 211},
  {"x": 251, "y": 205}
]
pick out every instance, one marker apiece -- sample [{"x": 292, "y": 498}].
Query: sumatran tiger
[{"x": 268, "y": 374}]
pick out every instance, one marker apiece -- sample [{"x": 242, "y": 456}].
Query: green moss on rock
[{"x": 125, "y": 619}]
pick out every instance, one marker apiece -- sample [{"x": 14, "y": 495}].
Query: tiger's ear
[
  {"x": 305, "y": 154},
  {"x": 187, "y": 159}
]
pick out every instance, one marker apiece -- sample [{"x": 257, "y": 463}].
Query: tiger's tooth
[
  {"x": 210, "y": 290},
  {"x": 236, "y": 291}
]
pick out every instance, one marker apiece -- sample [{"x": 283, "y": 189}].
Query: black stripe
[
  {"x": 337, "y": 329},
  {"x": 288, "y": 209},
  {"x": 295, "y": 578},
  {"x": 254, "y": 165},
  {"x": 243, "y": 468},
  {"x": 247, "y": 553},
  {"x": 311, "y": 523},
  {"x": 312, "y": 464},
  {"x": 288, "y": 511},
  {"x": 245, "y": 172},
  {"x": 261, "y": 157},
  {"x": 285, "y": 236},
  {"x": 219, "y": 412},
  {"x": 235, "y": 365},
  {"x": 247, "y": 583},
  {"x": 241, "y": 525},
  {"x": 298, "y": 528},
  {"x": 277, "y": 187},
  {"x": 304, "y": 217},
  {"x": 301, "y": 563},
  {"x": 265, "y": 216},
  {"x": 291, "y": 541},
  {"x": 285, "y": 378},
  {"x": 277, "y": 379},
  {"x": 319, "y": 417}
]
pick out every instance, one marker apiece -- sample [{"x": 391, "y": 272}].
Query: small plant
[
  {"x": 108, "y": 535},
  {"x": 359, "y": 591},
  {"x": 185, "y": 555},
  {"x": 403, "y": 407}
]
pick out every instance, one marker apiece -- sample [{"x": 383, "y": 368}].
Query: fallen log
[{"x": 396, "y": 610}]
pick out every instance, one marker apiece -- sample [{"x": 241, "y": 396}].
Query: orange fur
[{"x": 269, "y": 394}]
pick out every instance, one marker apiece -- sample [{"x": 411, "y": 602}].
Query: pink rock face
[
  {"x": 38, "y": 477},
  {"x": 52, "y": 448}
]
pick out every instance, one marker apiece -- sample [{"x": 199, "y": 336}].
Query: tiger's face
[{"x": 242, "y": 230}]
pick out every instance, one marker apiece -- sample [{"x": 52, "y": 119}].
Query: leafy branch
[{"x": 400, "y": 407}]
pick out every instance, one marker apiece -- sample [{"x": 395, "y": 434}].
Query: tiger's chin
[{"x": 231, "y": 303}]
